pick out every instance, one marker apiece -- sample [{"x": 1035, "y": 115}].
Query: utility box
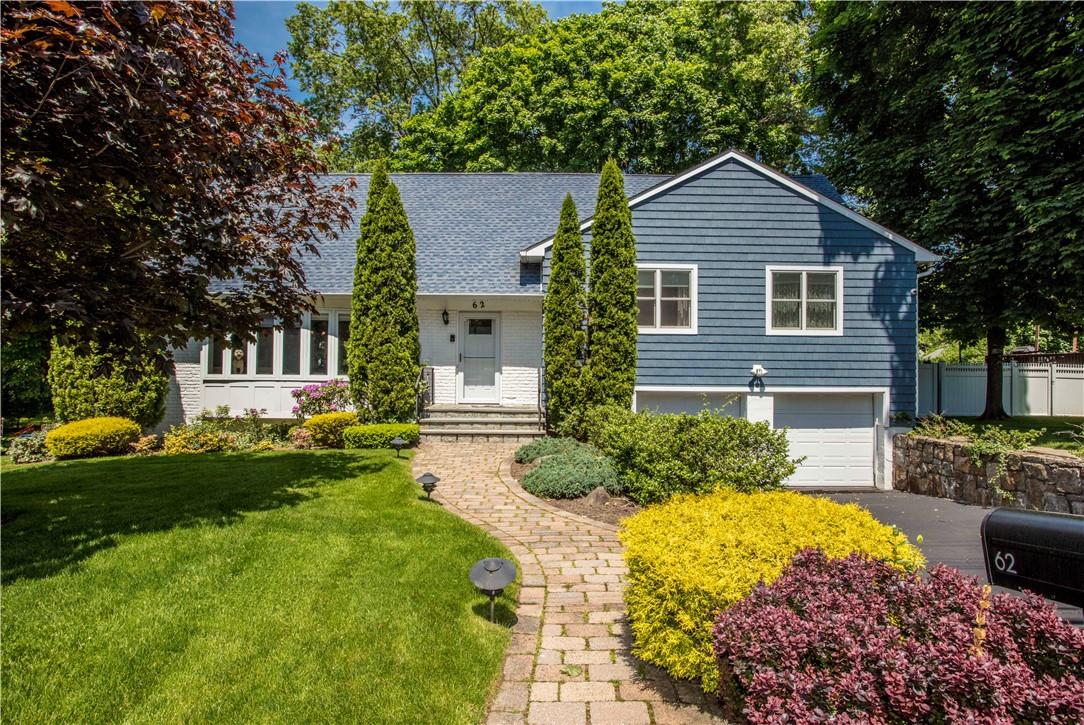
[{"x": 1035, "y": 550}]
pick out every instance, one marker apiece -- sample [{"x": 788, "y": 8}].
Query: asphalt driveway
[{"x": 950, "y": 530}]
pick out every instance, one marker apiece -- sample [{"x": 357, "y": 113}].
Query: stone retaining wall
[{"x": 1041, "y": 479}]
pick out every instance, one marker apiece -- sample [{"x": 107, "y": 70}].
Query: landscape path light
[
  {"x": 491, "y": 576},
  {"x": 397, "y": 443},
  {"x": 428, "y": 482}
]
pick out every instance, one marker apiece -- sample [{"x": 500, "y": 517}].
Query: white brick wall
[
  {"x": 438, "y": 351},
  {"x": 184, "y": 400},
  {"x": 521, "y": 356}
]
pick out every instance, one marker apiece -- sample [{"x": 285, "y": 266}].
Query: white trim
[
  {"x": 657, "y": 267},
  {"x": 463, "y": 318},
  {"x": 769, "y": 391},
  {"x": 538, "y": 251},
  {"x": 802, "y": 332}
]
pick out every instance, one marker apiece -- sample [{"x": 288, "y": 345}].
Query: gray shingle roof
[{"x": 470, "y": 228}]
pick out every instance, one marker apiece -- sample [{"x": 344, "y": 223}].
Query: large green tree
[
  {"x": 610, "y": 371},
  {"x": 384, "y": 348},
  {"x": 962, "y": 126},
  {"x": 368, "y": 67},
  {"x": 565, "y": 318},
  {"x": 144, "y": 151},
  {"x": 657, "y": 86}
]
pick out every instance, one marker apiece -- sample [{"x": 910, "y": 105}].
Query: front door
[{"x": 478, "y": 359}]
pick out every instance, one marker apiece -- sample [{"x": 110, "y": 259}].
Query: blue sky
[{"x": 261, "y": 25}]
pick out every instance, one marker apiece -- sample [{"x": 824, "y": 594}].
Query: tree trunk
[{"x": 995, "y": 351}]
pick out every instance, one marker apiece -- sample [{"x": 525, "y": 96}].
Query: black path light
[
  {"x": 428, "y": 482},
  {"x": 491, "y": 576},
  {"x": 397, "y": 443}
]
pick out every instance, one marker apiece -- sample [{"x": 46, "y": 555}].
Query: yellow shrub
[
  {"x": 694, "y": 556},
  {"x": 92, "y": 437},
  {"x": 182, "y": 439},
  {"x": 327, "y": 428}
]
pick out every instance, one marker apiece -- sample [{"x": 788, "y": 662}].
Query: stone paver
[{"x": 569, "y": 655}]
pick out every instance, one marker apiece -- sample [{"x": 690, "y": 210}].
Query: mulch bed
[{"x": 610, "y": 512}]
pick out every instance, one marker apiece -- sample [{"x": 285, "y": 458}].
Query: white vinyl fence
[{"x": 1028, "y": 388}]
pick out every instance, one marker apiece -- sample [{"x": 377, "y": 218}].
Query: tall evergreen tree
[
  {"x": 610, "y": 371},
  {"x": 565, "y": 315},
  {"x": 361, "y": 299},
  {"x": 384, "y": 346}
]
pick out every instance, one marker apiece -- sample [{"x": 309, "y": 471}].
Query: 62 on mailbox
[{"x": 1034, "y": 550}]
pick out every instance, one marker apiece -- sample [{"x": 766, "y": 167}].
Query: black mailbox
[{"x": 1038, "y": 551}]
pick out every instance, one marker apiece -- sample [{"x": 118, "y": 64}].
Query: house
[{"x": 739, "y": 266}]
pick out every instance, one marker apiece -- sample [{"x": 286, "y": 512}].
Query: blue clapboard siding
[{"x": 733, "y": 222}]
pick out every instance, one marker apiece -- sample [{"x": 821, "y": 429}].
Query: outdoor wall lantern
[
  {"x": 758, "y": 371},
  {"x": 428, "y": 482},
  {"x": 397, "y": 443},
  {"x": 491, "y": 576},
  {"x": 444, "y": 317}
]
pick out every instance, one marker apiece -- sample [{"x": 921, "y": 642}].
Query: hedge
[
  {"x": 694, "y": 556},
  {"x": 659, "y": 455},
  {"x": 327, "y": 428},
  {"x": 80, "y": 389},
  {"x": 380, "y": 435},
  {"x": 92, "y": 437}
]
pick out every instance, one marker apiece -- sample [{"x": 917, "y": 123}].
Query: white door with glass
[{"x": 478, "y": 350}]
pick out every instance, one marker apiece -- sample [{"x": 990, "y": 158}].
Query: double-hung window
[
  {"x": 804, "y": 301},
  {"x": 666, "y": 299}
]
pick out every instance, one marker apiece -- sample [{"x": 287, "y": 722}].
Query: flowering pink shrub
[
  {"x": 316, "y": 398},
  {"x": 855, "y": 640}
]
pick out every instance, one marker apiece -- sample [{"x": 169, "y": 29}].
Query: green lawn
[
  {"x": 1052, "y": 438},
  {"x": 276, "y": 587}
]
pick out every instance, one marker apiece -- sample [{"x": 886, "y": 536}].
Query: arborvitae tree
[
  {"x": 384, "y": 346},
  {"x": 362, "y": 298},
  {"x": 565, "y": 315},
  {"x": 610, "y": 371},
  {"x": 101, "y": 381}
]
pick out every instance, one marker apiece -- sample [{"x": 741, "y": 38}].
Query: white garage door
[{"x": 834, "y": 431}]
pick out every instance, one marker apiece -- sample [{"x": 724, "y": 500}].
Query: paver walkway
[{"x": 569, "y": 661}]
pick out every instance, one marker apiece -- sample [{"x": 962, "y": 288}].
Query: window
[
  {"x": 214, "y": 357},
  {"x": 805, "y": 301},
  {"x": 344, "y": 336},
  {"x": 291, "y": 349},
  {"x": 318, "y": 346},
  {"x": 265, "y": 348},
  {"x": 666, "y": 299}
]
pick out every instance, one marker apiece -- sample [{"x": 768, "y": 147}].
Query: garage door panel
[{"x": 835, "y": 433}]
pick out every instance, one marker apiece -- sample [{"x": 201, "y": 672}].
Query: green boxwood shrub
[
  {"x": 82, "y": 390},
  {"x": 327, "y": 428},
  {"x": 380, "y": 435},
  {"x": 105, "y": 436},
  {"x": 658, "y": 455},
  {"x": 572, "y": 472}
]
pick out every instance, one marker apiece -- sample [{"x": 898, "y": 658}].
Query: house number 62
[
  {"x": 478, "y": 304},
  {"x": 1005, "y": 563}
]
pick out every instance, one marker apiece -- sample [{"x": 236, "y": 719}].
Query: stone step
[
  {"x": 508, "y": 421},
  {"x": 479, "y": 411},
  {"x": 479, "y": 434}
]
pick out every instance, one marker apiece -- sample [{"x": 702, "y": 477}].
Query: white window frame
[
  {"x": 658, "y": 268},
  {"x": 802, "y": 331}
]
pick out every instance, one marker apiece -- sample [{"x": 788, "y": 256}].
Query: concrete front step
[
  {"x": 446, "y": 435},
  {"x": 519, "y": 422},
  {"x": 445, "y": 412}
]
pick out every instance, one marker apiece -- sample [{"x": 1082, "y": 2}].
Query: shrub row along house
[{"x": 739, "y": 268}]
